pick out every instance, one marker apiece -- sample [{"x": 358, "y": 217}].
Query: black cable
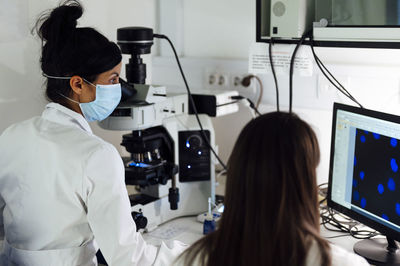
[
  {"x": 345, "y": 225},
  {"x": 191, "y": 101},
  {"x": 346, "y": 92},
  {"x": 274, "y": 74},
  {"x": 322, "y": 191},
  {"x": 323, "y": 68},
  {"x": 329, "y": 237},
  {"x": 246, "y": 81},
  {"x": 349, "y": 226},
  {"x": 292, "y": 67},
  {"x": 251, "y": 104}
]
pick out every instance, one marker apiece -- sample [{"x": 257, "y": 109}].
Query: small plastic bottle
[{"x": 209, "y": 222}]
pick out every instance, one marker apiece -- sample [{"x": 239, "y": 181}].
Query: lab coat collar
[{"x": 62, "y": 115}]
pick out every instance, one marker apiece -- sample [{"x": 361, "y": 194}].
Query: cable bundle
[{"x": 336, "y": 222}]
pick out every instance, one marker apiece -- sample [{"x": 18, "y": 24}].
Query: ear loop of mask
[{"x": 55, "y": 77}]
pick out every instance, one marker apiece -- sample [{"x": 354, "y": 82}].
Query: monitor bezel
[{"x": 352, "y": 214}]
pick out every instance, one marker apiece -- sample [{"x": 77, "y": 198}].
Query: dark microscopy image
[{"x": 376, "y": 175}]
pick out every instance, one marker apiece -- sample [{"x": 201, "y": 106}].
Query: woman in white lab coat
[
  {"x": 271, "y": 214},
  {"x": 62, "y": 190}
]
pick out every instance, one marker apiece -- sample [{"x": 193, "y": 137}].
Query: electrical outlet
[
  {"x": 249, "y": 91},
  {"x": 237, "y": 81},
  {"x": 222, "y": 79},
  {"x": 216, "y": 80},
  {"x": 212, "y": 79}
]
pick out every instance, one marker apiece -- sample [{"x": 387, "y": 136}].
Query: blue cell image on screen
[
  {"x": 391, "y": 184},
  {"x": 381, "y": 189},
  {"x": 362, "y": 174},
  {"x": 376, "y": 176},
  {"x": 356, "y": 196},
  {"x": 376, "y": 136},
  {"x": 393, "y": 165},
  {"x": 393, "y": 142},
  {"x": 398, "y": 208}
]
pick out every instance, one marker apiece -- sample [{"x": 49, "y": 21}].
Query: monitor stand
[{"x": 378, "y": 251}]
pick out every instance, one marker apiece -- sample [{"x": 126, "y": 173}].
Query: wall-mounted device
[
  {"x": 286, "y": 19},
  {"x": 291, "y": 18}
]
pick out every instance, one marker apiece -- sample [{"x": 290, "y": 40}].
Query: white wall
[
  {"x": 372, "y": 76},
  {"x": 226, "y": 29},
  {"x": 221, "y": 29},
  {"x": 21, "y": 87}
]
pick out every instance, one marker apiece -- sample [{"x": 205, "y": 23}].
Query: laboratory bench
[{"x": 188, "y": 230}]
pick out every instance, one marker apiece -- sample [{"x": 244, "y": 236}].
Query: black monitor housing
[{"x": 364, "y": 177}]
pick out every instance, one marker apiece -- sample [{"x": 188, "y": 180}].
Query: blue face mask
[{"x": 107, "y": 99}]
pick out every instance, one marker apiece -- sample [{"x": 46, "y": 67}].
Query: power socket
[
  {"x": 236, "y": 82},
  {"x": 223, "y": 80},
  {"x": 216, "y": 80},
  {"x": 229, "y": 80}
]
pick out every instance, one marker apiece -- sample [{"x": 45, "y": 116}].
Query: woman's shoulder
[
  {"x": 343, "y": 257},
  {"x": 181, "y": 261},
  {"x": 195, "y": 259},
  {"x": 339, "y": 257},
  {"x": 169, "y": 253}
]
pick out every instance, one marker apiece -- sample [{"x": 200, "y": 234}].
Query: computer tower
[{"x": 291, "y": 18}]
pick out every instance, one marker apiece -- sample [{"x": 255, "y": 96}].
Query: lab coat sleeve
[
  {"x": 169, "y": 252},
  {"x": 109, "y": 211},
  {"x": 2, "y": 204}
]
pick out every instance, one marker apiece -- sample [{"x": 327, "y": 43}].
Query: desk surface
[
  {"x": 191, "y": 231},
  {"x": 188, "y": 230}
]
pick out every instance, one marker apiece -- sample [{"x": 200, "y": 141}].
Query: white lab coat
[{"x": 62, "y": 193}]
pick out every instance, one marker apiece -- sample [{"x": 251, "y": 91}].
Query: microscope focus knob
[
  {"x": 194, "y": 142},
  {"x": 140, "y": 220}
]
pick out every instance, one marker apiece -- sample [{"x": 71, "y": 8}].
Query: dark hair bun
[
  {"x": 60, "y": 24},
  {"x": 68, "y": 50}
]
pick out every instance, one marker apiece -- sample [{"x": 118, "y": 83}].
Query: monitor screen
[{"x": 364, "y": 174}]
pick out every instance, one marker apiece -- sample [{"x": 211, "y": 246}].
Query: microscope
[{"x": 170, "y": 162}]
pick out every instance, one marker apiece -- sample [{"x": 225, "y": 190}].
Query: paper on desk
[
  {"x": 168, "y": 231},
  {"x": 259, "y": 62}
]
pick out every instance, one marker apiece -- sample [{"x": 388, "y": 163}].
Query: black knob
[
  {"x": 140, "y": 220},
  {"x": 193, "y": 142},
  {"x": 173, "y": 198}
]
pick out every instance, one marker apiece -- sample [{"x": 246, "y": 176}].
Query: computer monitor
[{"x": 364, "y": 176}]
